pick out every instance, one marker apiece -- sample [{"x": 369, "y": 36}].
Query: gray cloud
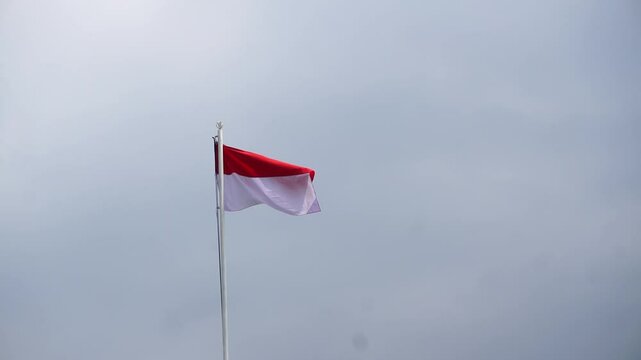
[{"x": 477, "y": 170}]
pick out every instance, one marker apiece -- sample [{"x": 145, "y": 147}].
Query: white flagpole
[{"x": 220, "y": 212}]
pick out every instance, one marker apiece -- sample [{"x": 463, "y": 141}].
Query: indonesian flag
[{"x": 253, "y": 179}]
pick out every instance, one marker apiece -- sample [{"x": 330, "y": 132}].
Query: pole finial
[{"x": 219, "y": 124}]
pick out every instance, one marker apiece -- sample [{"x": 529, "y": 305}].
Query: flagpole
[{"x": 220, "y": 215}]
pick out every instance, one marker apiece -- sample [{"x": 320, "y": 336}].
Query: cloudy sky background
[{"x": 477, "y": 166}]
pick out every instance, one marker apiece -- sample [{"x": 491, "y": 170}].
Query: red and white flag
[{"x": 252, "y": 179}]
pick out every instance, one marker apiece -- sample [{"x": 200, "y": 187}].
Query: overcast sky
[{"x": 477, "y": 167}]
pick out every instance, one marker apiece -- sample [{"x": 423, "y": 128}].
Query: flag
[{"x": 252, "y": 179}]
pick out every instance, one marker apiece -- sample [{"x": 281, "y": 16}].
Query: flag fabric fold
[{"x": 253, "y": 179}]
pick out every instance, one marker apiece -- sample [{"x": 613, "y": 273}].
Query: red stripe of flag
[{"x": 249, "y": 164}]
